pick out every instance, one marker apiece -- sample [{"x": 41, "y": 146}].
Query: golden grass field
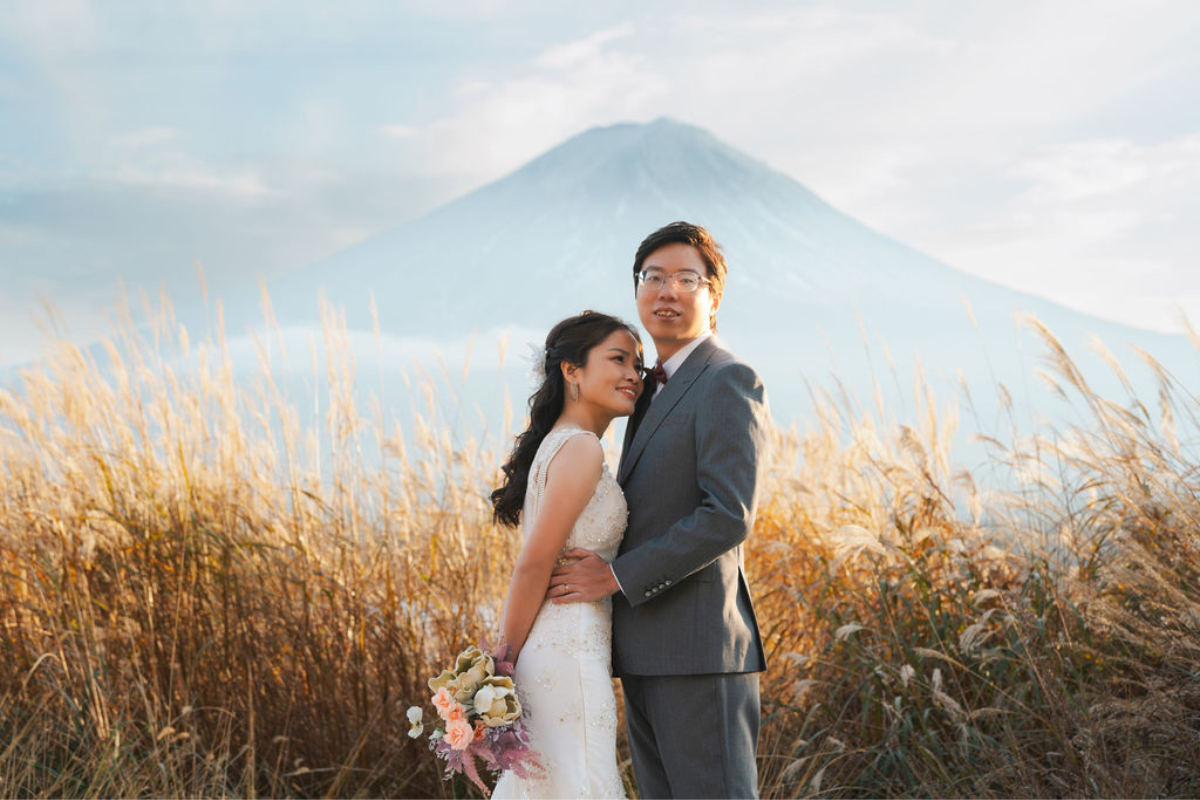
[{"x": 188, "y": 609}]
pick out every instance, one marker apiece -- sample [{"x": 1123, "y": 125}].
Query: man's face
[{"x": 673, "y": 317}]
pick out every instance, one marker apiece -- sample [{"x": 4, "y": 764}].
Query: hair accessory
[{"x": 537, "y": 362}]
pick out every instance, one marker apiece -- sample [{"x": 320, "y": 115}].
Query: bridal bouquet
[{"x": 479, "y": 717}]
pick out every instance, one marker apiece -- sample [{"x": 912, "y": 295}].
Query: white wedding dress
[{"x": 564, "y": 671}]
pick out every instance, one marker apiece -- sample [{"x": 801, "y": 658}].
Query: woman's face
[{"x": 612, "y": 377}]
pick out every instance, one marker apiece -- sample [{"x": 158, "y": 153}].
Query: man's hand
[{"x": 585, "y": 581}]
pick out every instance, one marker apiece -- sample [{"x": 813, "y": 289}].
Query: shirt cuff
[{"x": 615, "y": 578}]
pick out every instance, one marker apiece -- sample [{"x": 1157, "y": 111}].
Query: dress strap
[{"x": 553, "y": 442}]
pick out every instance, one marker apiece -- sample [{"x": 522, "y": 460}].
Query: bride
[{"x": 558, "y": 486}]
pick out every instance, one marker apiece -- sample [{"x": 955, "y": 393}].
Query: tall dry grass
[
  {"x": 933, "y": 638},
  {"x": 201, "y": 597}
]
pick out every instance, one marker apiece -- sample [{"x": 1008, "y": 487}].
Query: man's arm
[{"x": 732, "y": 425}]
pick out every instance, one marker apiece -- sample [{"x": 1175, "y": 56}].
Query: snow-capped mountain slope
[{"x": 558, "y": 235}]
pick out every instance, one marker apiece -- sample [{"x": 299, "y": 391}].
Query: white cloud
[
  {"x": 1098, "y": 225},
  {"x": 158, "y": 157},
  {"x": 837, "y": 97},
  {"x": 571, "y": 54},
  {"x": 498, "y": 124},
  {"x": 775, "y": 84},
  {"x": 237, "y": 186},
  {"x": 398, "y": 130},
  {"x": 1109, "y": 169}
]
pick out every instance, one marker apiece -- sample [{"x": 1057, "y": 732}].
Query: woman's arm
[{"x": 570, "y": 483}]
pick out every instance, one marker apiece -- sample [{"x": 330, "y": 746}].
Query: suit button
[
  {"x": 648, "y": 594},
  {"x": 668, "y": 583}
]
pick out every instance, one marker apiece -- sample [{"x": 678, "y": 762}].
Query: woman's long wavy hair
[{"x": 569, "y": 342}]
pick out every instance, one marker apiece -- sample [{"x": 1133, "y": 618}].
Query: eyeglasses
[{"x": 685, "y": 281}]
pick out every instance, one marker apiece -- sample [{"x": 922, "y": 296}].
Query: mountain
[{"x": 558, "y": 235}]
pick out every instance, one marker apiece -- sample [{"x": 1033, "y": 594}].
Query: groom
[{"x": 686, "y": 643}]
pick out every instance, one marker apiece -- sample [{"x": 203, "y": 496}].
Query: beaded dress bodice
[{"x": 602, "y": 523}]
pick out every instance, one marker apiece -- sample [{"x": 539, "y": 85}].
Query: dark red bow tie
[{"x": 657, "y": 373}]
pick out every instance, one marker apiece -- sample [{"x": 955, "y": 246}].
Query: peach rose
[
  {"x": 443, "y": 701},
  {"x": 454, "y": 713},
  {"x": 459, "y": 734},
  {"x": 479, "y": 729}
]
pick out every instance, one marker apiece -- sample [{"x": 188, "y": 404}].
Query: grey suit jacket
[{"x": 691, "y": 469}]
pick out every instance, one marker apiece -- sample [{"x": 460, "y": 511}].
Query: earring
[{"x": 574, "y": 392}]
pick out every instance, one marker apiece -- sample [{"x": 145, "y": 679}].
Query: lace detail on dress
[
  {"x": 564, "y": 671},
  {"x": 602, "y": 523}
]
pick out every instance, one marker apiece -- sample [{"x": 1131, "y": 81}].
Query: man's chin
[{"x": 671, "y": 337}]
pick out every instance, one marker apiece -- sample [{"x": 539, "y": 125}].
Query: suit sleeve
[{"x": 731, "y": 439}]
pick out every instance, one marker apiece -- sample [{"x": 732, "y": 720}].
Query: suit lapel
[
  {"x": 645, "y": 424},
  {"x": 635, "y": 420}
]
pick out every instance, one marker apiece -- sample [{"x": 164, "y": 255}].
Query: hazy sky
[{"x": 1050, "y": 146}]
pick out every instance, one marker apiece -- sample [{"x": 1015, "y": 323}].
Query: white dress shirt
[{"x": 672, "y": 364}]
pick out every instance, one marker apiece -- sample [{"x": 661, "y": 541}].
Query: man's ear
[{"x": 712, "y": 315}]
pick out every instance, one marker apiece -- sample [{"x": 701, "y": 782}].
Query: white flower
[
  {"x": 496, "y": 702},
  {"x": 484, "y": 699},
  {"x": 415, "y": 726}
]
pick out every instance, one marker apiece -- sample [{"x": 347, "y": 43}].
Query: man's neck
[{"x": 666, "y": 350}]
